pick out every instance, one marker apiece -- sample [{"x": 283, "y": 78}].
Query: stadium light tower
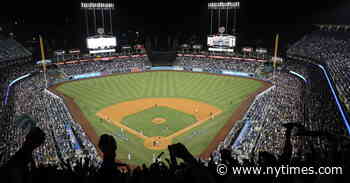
[
  {"x": 222, "y": 41},
  {"x": 98, "y": 12},
  {"x": 223, "y": 6}
]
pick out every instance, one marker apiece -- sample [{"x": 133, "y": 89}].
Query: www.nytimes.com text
[{"x": 223, "y": 169}]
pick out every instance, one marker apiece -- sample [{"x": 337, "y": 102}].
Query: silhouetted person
[
  {"x": 109, "y": 169},
  {"x": 288, "y": 148},
  {"x": 108, "y": 146},
  {"x": 17, "y": 167},
  {"x": 195, "y": 172}
]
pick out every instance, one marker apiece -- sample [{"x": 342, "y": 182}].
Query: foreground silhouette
[{"x": 21, "y": 168}]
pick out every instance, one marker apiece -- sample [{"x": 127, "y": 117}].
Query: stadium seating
[
  {"x": 330, "y": 48},
  {"x": 114, "y": 66},
  {"x": 28, "y": 97},
  {"x": 12, "y": 50},
  {"x": 266, "y": 138},
  {"x": 218, "y": 64}
]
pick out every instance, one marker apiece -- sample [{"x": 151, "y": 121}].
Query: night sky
[{"x": 256, "y": 18}]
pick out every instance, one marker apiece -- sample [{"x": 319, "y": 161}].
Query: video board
[
  {"x": 101, "y": 42},
  {"x": 221, "y": 41}
]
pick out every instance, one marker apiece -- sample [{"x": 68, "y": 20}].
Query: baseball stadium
[
  {"x": 148, "y": 111},
  {"x": 138, "y": 106}
]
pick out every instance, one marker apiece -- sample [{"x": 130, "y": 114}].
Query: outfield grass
[{"x": 223, "y": 92}]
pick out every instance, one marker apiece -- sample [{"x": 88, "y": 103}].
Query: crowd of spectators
[
  {"x": 281, "y": 127},
  {"x": 51, "y": 115},
  {"x": 320, "y": 112},
  {"x": 219, "y": 64},
  {"x": 306, "y": 102},
  {"x": 112, "y": 66},
  {"x": 10, "y": 50},
  {"x": 8, "y": 130},
  {"x": 29, "y": 97},
  {"x": 330, "y": 48},
  {"x": 263, "y": 128},
  {"x": 189, "y": 170},
  {"x": 79, "y": 56}
]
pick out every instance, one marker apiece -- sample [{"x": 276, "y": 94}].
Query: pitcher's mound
[{"x": 158, "y": 120}]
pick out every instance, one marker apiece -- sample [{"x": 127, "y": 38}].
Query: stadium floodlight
[
  {"x": 98, "y": 13},
  {"x": 223, "y": 5},
  {"x": 97, "y": 6}
]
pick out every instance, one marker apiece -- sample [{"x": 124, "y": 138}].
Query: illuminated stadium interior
[{"x": 179, "y": 91}]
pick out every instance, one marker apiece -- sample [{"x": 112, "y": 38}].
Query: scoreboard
[
  {"x": 221, "y": 42},
  {"x": 101, "y": 44},
  {"x": 226, "y": 41}
]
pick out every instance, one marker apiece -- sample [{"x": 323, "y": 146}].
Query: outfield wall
[
  {"x": 162, "y": 68},
  {"x": 228, "y": 127},
  {"x": 194, "y": 69}
]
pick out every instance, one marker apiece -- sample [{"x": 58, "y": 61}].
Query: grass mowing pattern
[{"x": 223, "y": 92}]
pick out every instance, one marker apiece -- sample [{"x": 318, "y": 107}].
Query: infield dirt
[
  {"x": 238, "y": 114},
  {"x": 201, "y": 111}
]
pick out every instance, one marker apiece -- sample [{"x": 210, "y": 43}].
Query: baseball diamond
[
  {"x": 202, "y": 91},
  {"x": 115, "y": 114},
  {"x": 148, "y": 111}
]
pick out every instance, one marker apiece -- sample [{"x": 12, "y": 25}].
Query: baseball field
[{"x": 146, "y": 112}]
